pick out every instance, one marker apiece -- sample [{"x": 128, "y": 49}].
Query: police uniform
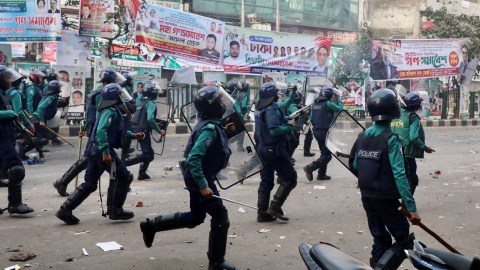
[
  {"x": 46, "y": 110},
  {"x": 271, "y": 129},
  {"x": 34, "y": 95},
  {"x": 411, "y": 130},
  {"x": 322, "y": 115}
]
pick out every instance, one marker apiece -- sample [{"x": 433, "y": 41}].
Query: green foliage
[{"x": 353, "y": 60}]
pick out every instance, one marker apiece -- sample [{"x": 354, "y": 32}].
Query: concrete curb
[{"x": 182, "y": 128}]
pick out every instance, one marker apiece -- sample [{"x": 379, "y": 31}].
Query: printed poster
[
  {"x": 30, "y": 21},
  {"x": 353, "y": 97},
  {"x": 180, "y": 33},
  {"x": 74, "y": 50},
  {"x": 5, "y": 54},
  {"x": 255, "y": 52},
  {"x": 32, "y": 67},
  {"x": 18, "y": 49},
  {"x": 464, "y": 101},
  {"x": 417, "y": 58},
  {"x": 299, "y": 80},
  {"x": 274, "y": 77},
  {"x": 49, "y": 52},
  {"x": 96, "y": 18},
  {"x": 101, "y": 64},
  {"x": 435, "y": 96},
  {"x": 144, "y": 74},
  {"x": 75, "y": 77}
]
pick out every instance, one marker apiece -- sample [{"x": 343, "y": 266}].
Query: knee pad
[
  {"x": 16, "y": 174},
  {"x": 221, "y": 222},
  {"x": 387, "y": 241},
  {"x": 149, "y": 157},
  {"x": 292, "y": 185},
  {"x": 88, "y": 187},
  {"x": 43, "y": 141}
]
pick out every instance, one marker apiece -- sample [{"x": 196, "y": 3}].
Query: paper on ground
[{"x": 108, "y": 246}]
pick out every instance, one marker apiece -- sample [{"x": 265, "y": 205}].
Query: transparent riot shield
[
  {"x": 245, "y": 160},
  {"x": 341, "y": 137}
]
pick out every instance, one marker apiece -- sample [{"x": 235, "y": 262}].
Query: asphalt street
[{"x": 449, "y": 205}]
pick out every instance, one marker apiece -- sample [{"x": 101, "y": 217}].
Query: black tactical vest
[
  {"x": 7, "y": 129},
  {"x": 320, "y": 118},
  {"x": 140, "y": 118}
]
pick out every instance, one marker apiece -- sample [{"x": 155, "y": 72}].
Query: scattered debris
[
  {"x": 152, "y": 258},
  {"x": 361, "y": 232},
  {"x": 319, "y": 187},
  {"x": 70, "y": 260},
  {"x": 241, "y": 210},
  {"x": 232, "y": 236},
  {"x": 438, "y": 172},
  {"x": 340, "y": 232},
  {"x": 441, "y": 216},
  {"x": 13, "y": 250},
  {"x": 13, "y": 267},
  {"x": 278, "y": 246},
  {"x": 188, "y": 242},
  {"x": 282, "y": 237},
  {"x": 168, "y": 168},
  {"x": 264, "y": 231},
  {"x": 22, "y": 256},
  {"x": 139, "y": 204},
  {"x": 81, "y": 232},
  {"x": 108, "y": 246},
  {"x": 27, "y": 265}
]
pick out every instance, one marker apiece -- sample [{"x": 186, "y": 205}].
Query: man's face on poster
[
  {"x": 369, "y": 88},
  {"x": 151, "y": 77},
  {"x": 106, "y": 25},
  {"x": 426, "y": 87},
  {"x": 234, "y": 51},
  {"x": 65, "y": 77},
  {"x": 275, "y": 50},
  {"x": 282, "y": 50},
  {"x": 213, "y": 26},
  {"x": 86, "y": 11},
  {"x": 77, "y": 98},
  {"x": 296, "y": 50},
  {"x": 322, "y": 55},
  {"x": 386, "y": 52},
  {"x": 303, "y": 52},
  {"x": 150, "y": 49},
  {"x": 289, "y": 50},
  {"x": 139, "y": 88},
  {"x": 53, "y": 4},
  {"x": 152, "y": 13},
  {"x": 220, "y": 28},
  {"x": 464, "y": 54},
  {"x": 211, "y": 43}
]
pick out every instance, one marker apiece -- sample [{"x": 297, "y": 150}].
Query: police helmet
[
  {"x": 267, "y": 95},
  {"x": 383, "y": 105},
  {"x": 209, "y": 102},
  {"x": 109, "y": 75},
  {"x": 9, "y": 77},
  {"x": 129, "y": 78},
  {"x": 231, "y": 86},
  {"x": 36, "y": 76},
  {"x": 245, "y": 86},
  {"x": 298, "y": 97},
  {"x": 326, "y": 93},
  {"x": 54, "y": 87},
  {"x": 50, "y": 75},
  {"x": 111, "y": 96},
  {"x": 412, "y": 101},
  {"x": 151, "y": 90}
]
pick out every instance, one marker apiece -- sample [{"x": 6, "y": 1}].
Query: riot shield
[
  {"x": 245, "y": 160},
  {"x": 341, "y": 137}
]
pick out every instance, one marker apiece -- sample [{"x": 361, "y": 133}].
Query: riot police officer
[
  {"x": 271, "y": 130},
  {"x": 382, "y": 181},
  {"x": 234, "y": 89},
  {"x": 323, "y": 112},
  {"x": 107, "y": 134},
  {"x": 34, "y": 91},
  {"x": 128, "y": 83},
  {"x": 207, "y": 153},
  {"x": 144, "y": 121},
  {"x": 93, "y": 103},
  {"x": 8, "y": 155},
  {"x": 54, "y": 124}
]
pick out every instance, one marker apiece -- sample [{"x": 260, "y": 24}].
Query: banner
[
  {"x": 353, "y": 97},
  {"x": 18, "y": 49},
  {"x": 96, "y": 18},
  {"x": 255, "y": 51},
  {"x": 32, "y": 66},
  {"x": 417, "y": 58},
  {"x": 297, "y": 79},
  {"x": 74, "y": 50},
  {"x": 274, "y": 77},
  {"x": 181, "y": 34},
  {"x": 464, "y": 101},
  {"x": 144, "y": 74},
  {"x": 30, "y": 21},
  {"x": 435, "y": 96},
  {"x": 49, "y": 52},
  {"x": 101, "y": 64},
  {"x": 75, "y": 77}
]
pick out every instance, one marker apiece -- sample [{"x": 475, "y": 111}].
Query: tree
[
  {"x": 463, "y": 26},
  {"x": 353, "y": 60}
]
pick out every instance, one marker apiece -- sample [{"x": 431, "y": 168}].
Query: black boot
[
  {"x": 126, "y": 150},
  {"x": 119, "y": 200},
  {"x": 132, "y": 160},
  {"x": 322, "y": 172},
  {"x": 158, "y": 224},
  {"x": 217, "y": 245},
  {"x": 263, "y": 202},
  {"x": 279, "y": 199},
  {"x": 309, "y": 169},
  {"x": 142, "y": 172},
  {"x": 72, "y": 202},
  {"x": 62, "y": 183},
  {"x": 23, "y": 148},
  {"x": 15, "y": 178},
  {"x": 307, "y": 144}
]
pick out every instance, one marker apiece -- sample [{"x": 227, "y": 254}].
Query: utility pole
[
  {"x": 278, "y": 17},
  {"x": 242, "y": 14}
]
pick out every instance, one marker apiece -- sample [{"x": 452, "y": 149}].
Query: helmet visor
[
  {"x": 119, "y": 78},
  {"x": 224, "y": 99},
  {"x": 126, "y": 97},
  {"x": 157, "y": 86},
  {"x": 10, "y": 75}
]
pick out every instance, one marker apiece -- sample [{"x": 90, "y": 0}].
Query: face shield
[
  {"x": 312, "y": 94},
  {"x": 10, "y": 75},
  {"x": 126, "y": 97},
  {"x": 23, "y": 72},
  {"x": 157, "y": 86},
  {"x": 56, "y": 86},
  {"x": 225, "y": 100}
]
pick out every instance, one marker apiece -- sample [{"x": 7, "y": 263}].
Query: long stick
[
  {"x": 56, "y": 134},
  {"x": 224, "y": 199},
  {"x": 79, "y": 155},
  {"x": 432, "y": 233}
]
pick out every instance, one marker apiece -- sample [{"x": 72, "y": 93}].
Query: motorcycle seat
[{"x": 332, "y": 258}]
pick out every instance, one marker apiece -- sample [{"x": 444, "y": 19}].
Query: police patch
[
  {"x": 209, "y": 141},
  {"x": 30, "y": 92}
]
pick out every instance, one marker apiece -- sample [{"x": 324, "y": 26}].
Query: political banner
[
  {"x": 49, "y": 52},
  {"x": 101, "y": 64},
  {"x": 180, "y": 33},
  {"x": 30, "y": 21},
  {"x": 74, "y": 50},
  {"x": 417, "y": 58},
  {"x": 255, "y": 51},
  {"x": 435, "y": 96},
  {"x": 5, "y": 54},
  {"x": 18, "y": 49},
  {"x": 74, "y": 76},
  {"x": 353, "y": 97},
  {"x": 32, "y": 67},
  {"x": 274, "y": 77},
  {"x": 297, "y": 79},
  {"x": 144, "y": 74},
  {"x": 96, "y": 18}
]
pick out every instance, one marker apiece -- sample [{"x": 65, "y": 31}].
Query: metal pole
[
  {"x": 278, "y": 17},
  {"x": 242, "y": 14}
]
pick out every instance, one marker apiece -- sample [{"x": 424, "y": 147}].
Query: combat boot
[
  {"x": 142, "y": 172},
  {"x": 307, "y": 144},
  {"x": 263, "y": 203},
  {"x": 15, "y": 178},
  {"x": 21, "y": 149},
  {"x": 309, "y": 169},
  {"x": 308, "y": 154},
  {"x": 217, "y": 245},
  {"x": 117, "y": 212},
  {"x": 279, "y": 199},
  {"x": 62, "y": 183},
  {"x": 322, "y": 172},
  {"x": 126, "y": 150},
  {"x": 73, "y": 201},
  {"x": 158, "y": 224}
]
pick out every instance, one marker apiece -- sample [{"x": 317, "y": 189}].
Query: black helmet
[
  {"x": 231, "y": 86},
  {"x": 37, "y": 76},
  {"x": 412, "y": 101},
  {"x": 383, "y": 105},
  {"x": 54, "y": 87},
  {"x": 267, "y": 94},
  {"x": 298, "y": 97},
  {"x": 209, "y": 102},
  {"x": 129, "y": 78},
  {"x": 109, "y": 75},
  {"x": 50, "y": 75},
  {"x": 245, "y": 86},
  {"x": 151, "y": 90},
  {"x": 111, "y": 96},
  {"x": 326, "y": 93},
  {"x": 9, "y": 77}
]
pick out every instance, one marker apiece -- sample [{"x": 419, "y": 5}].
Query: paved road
[{"x": 449, "y": 205}]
